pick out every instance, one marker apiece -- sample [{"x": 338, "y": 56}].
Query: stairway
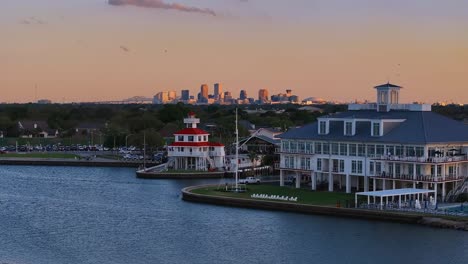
[{"x": 460, "y": 189}]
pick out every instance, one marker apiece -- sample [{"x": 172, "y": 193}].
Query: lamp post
[{"x": 126, "y": 140}]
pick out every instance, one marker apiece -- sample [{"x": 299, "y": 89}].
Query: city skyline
[{"x": 95, "y": 50}]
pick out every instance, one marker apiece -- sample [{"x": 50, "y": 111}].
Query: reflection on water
[{"x": 106, "y": 215}]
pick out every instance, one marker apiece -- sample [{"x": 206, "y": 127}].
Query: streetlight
[{"x": 126, "y": 140}]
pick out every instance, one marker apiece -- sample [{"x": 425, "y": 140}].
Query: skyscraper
[
  {"x": 243, "y": 95},
  {"x": 204, "y": 91},
  {"x": 185, "y": 95},
  {"x": 218, "y": 91},
  {"x": 263, "y": 95}
]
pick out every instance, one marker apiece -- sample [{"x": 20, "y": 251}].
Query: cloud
[{"x": 162, "y": 5}]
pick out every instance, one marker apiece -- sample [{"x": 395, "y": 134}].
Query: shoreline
[
  {"x": 395, "y": 217},
  {"x": 66, "y": 162}
]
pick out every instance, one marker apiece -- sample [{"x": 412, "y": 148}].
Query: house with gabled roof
[
  {"x": 378, "y": 146},
  {"x": 30, "y": 129}
]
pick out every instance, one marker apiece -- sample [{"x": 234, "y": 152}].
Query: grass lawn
[
  {"x": 39, "y": 155},
  {"x": 304, "y": 196}
]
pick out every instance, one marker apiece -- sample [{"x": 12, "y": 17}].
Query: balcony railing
[
  {"x": 420, "y": 178},
  {"x": 423, "y": 159},
  {"x": 296, "y": 151}
]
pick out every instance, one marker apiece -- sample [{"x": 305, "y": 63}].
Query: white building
[
  {"x": 191, "y": 149},
  {"x": 378, "y": 146}
]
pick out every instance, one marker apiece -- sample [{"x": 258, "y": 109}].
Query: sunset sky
[{"x": 92, "y": 50}]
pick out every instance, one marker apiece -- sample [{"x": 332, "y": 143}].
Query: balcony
[
  {"x": 420, "y": 178},
  {"x": 423, "y": 159},
  {"x": 297, "y": 151}
]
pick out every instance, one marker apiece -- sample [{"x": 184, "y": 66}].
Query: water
[{"x": 106, "y": 215}]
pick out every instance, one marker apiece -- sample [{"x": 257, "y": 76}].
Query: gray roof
[
  {"x": 419, "y": 127},
  {"x": 387, "y": 85}
]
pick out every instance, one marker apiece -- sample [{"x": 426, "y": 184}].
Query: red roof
[
  {"x": 196, "y": 144},
  {"x": 191, "y": 131}
]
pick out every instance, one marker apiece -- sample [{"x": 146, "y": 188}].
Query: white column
[
  {"x": 298, "y": 180},
  {"x": 330, "y": 175},
  {"x": 374, "y": 183},
  {"x": 313, "y": 183},
  {"x": 366, "y": 184},
  {"x": 330, "y": 182},
  {"x": 348, "y": 183},
  {"x": 281, "y": 178},
  {"x": 394, "y": 184},
  {"x": 443, "y": 191}
]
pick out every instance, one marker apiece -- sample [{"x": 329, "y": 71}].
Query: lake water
[{"x": 106, "y": 215}]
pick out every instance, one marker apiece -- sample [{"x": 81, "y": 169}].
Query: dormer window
[
  {"x": 180, "y": 138},
  {"x": 375, "y": 129},
  {"x": 348, "y": 128},
  {"x": 323, "y": 127}
]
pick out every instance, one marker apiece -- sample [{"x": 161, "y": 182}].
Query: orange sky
[{"x": 74, "y": 51}]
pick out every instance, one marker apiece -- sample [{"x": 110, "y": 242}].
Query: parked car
[{"x": 249, "y": 180}]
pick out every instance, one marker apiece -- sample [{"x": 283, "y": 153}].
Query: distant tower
[
  {"x": 243, "y": 95},
  {"x": 263, "y": 95},
  {"x": 204, "y": 91},
  {"x": 218, "y": 91},
  {"x": 185, "y": 95},
  {"x": 288, "y": 92},
  {"x": 387, "y": 95}
]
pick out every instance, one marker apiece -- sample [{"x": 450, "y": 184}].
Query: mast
[
  {"x": 237, "y": 155},
  {"x": 144, "y": 150}
]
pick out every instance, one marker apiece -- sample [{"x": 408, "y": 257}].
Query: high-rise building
[
  {"x": 263, "y": 95},
  {"x": 185, "y": 95},
  {"x": 218, "y": 91},
  {"x": 243, "y": 95},
  {"x": 204, "y": 91}
]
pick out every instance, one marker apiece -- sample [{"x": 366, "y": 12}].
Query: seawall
[{"x": 395, "y": 217}]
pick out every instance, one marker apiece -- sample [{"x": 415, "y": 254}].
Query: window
[
  {"x": 319, "y": 164},
  {"x": 361, "y": 150},
  {"x": 308, "y": 147},
  {"x": 322, "y": 127},
  {"x": 419, "y": 151},
  {"x": 399, "y": 150},
  {"x": 180, "y": 138},
  {"x": 397, "y": 169},
  {"x": 293, "y": 147},
  {"x": 390, "y": 150},
  {"x": 335, "y": 165},
  {"x": 352, "y": 149},
  {"x": 341, "y": 165},
  {"x": 348, "y": 128},
  {"x": 418, "y": 169},
  {"x": 305, "y": 163},
  {"x": 326, "y": 148},
  {"x": 410, "y": 152},
  {"x": 335, "y": 148},
  {"x": 354, "y": 166},
  {"x": 343, "y": 149},
  {"x": 205, "y": 138},
  {"x": 318, "y": 147},
  {"x": 285, "y": 146},
  {"x": 301, "y": 147},
  {"x": 199, "y": 138},
  {"x": 190, "y": 138},
  {"x": 378, "y": 168},
  {"x": 370, "y": 150},
  {"x": 375, "y": 129},
  {"x": 371, "y": 168},
  {"x": 379, "y": 150}
]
